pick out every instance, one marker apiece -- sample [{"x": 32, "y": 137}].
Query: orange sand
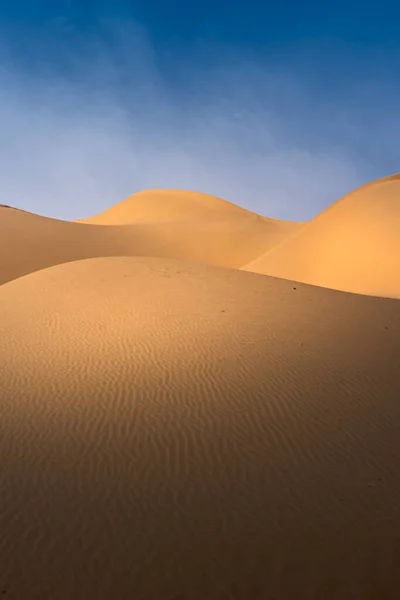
[
  {"x": 209, "y": 231},
  {"x": 354, "y": 245},
  {"x": 177, "y": 430}
]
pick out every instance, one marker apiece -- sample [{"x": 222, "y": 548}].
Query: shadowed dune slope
[
  {"x": 354, "y": 245},
  {"x": 172, "y": 430},
  {"x": 228, "y": 237}
]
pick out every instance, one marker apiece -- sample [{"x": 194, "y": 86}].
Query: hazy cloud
[{"x": 258, "y": 131}]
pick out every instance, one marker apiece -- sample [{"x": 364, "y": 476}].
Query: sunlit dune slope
[
  {"x": 353, "y": 245},
  {"x": 172, "y": 430},
  {"x": 230, "y": 237},
  {"x": 165, "y": 205}
]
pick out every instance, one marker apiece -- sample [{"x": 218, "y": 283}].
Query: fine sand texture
[
  {"x": 353, "y": 245},
  {"x": 177, "y": 431}
]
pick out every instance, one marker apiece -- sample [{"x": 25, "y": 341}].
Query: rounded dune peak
[
  {"x": 353, "y": 245},
  {"x": 183, "y": 225},
  {"x": 163, "y": 204}
]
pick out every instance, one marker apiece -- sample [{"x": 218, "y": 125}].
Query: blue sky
[{"x": 281, "y": 109}]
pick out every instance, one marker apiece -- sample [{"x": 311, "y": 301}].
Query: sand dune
[
  {"x": 159, "y": 204},
  {"x": 229, "y": 236},
  {"x": 172, "y": 430},
  {"x": 354, "y": 245}
]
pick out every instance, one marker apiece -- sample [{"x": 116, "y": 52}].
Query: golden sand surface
[
  {"x": 353, "y": 245},
  {"x": 175, "y": 427}
]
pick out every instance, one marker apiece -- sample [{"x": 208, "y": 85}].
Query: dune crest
[
  {"x": 353, "y": 245},
  {"x": 160, "y": 223},
  {"x": 160, "y": 204}
]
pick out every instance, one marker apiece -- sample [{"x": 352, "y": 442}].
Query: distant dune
[
  {"x": 354, "y": 245},
  {"x": 209, "y": 231},
  {"x": 175, "y": 428},
  {"x": 167, "y": 205}
]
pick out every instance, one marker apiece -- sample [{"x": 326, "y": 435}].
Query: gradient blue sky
[{"x": 281, "y": 107}]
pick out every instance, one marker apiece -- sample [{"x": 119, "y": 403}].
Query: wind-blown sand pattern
[{"x": 176, "y": 430}]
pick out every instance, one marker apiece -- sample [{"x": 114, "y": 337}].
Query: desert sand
[
  {"x": 176, "y": 427},
  {"x": 353, "y": 245},
  {"x": 152, "y": 223}
]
